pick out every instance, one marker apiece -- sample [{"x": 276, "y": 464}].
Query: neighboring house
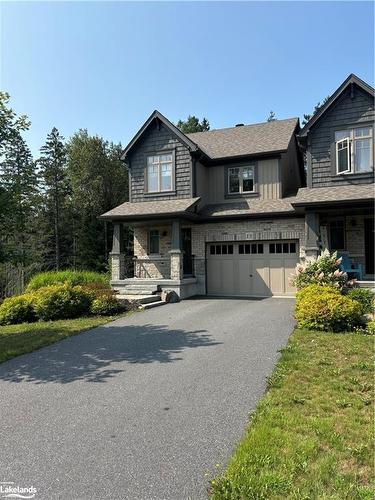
[{"x": 228, "y": 212}]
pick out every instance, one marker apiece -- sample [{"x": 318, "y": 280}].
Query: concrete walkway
[{"x": 143, "y": 407}]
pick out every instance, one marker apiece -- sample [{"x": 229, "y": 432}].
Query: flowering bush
[{"x": 324, "y": 270}]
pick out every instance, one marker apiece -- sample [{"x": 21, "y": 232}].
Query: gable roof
[
  {"x": 259, "y": 138},
  {"x": 352, "y": 79},
  {"x": 157, "y": 116}
]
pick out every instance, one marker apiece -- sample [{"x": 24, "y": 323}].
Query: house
[{"x": 232, "y": 211}]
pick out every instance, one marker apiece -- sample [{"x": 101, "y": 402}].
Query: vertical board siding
[
  {"x": 346, "y": 112},
  {"x": 157, "y": 140}
]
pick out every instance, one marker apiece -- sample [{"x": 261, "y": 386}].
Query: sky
[{"x": 105, "y": 66}]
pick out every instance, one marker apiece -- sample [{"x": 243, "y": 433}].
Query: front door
[
  {"x": 187, "y": 260},
  {"x": 369, "y": 246}
]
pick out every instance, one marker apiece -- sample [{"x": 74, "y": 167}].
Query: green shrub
[
  {"x": 370, "y": 327},
  {"x": 364, "y": 297},
  {"x": 61, "y": 302},
  {"x": 105, "y": 305},
  {"x": 322, "y": 307},
  {"x": 73, "y": 278},
  {"x": 324, "y": 270},
  {"x": 17, "y": 309}
]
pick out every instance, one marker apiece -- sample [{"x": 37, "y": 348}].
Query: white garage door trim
[{"x": 251, "y": 268}]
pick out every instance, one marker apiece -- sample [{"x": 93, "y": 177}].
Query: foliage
[
  {"x": 192, "y": 124},
  {"x": 370, "y": 327},
  {"x": 311, "y": 434},
  {"x": 322, "y": 307},
  {"x": 73, "y": 278},
  {"x": 306, "y": 117},
  {"x": 323, "y": 271},
  {"x": 11, "y": 125},
  {"x": 18, "y": 309},
  {"x": 28, "y": 337},
  {"x": 55, "y": 207},
  {"x": 272, "y": 117},
  {"x": 105, "y": 305},
  {"x": 98, "y": 181},
  {"x": 60, "y": 302},
  {"x": 365, "y": 297}
]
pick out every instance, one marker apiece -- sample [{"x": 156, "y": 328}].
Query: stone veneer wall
[{"x": 151, "y": 266}]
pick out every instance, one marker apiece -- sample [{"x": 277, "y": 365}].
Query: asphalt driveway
[{"x": 142, "y": 408}]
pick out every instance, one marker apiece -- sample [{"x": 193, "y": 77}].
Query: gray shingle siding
[
  {"x": 345, "y": 112},
  {"x": 153, "y": 141}
]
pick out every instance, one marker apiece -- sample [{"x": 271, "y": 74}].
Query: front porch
[
  {"x": 162, "y": 260},
  {"x": 349, "y": 232}
]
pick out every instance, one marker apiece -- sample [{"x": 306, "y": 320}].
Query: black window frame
[{"x": 150, "y": 241}]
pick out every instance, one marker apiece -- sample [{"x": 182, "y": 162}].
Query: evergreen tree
[
  {"x": 192, "y": 124},
  {"x": 98, "y": 181},
  {"x": 53, "y": 163},
  {"x": 306, "y": 118},
  {"x": 18, "y": 179}
]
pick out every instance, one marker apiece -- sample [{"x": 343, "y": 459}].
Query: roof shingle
[
  {"x": 259, "y": 138},
  {"x": 359, "y": 192},
  {"x": 162, "y": 207}
]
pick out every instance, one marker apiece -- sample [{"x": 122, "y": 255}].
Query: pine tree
[
  {"x": 192, "y": 124},
  {"x": 53, "y": 163},
  {"x": 272, "y": 117},
  {"x": 306, "y": 117},
  {"x": 19, "y": 180}
]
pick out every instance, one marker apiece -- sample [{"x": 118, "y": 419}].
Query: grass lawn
[
  {"x": 28, "y": 337},
  {"x": 311, "y": 436}
]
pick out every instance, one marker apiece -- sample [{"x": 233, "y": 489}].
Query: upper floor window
[
  {"x": 241, "y": 179},
  {"x": 354, "y": 150},
  {"x": 160, "y": 173}
]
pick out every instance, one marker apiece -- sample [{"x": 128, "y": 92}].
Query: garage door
[{"x": 252, "y": 269}]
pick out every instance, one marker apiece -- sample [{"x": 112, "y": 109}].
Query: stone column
[
  {"x": 117, "y": 254},
  {"x": 175, "y": 251},
  {"x": 312, "y": 235}
]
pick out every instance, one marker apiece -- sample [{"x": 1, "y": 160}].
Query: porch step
[
  {"x": 140, "y": 289},
  {"x": 366, "y": 284},
  {"x": 156, "y": 303},
  {"x": 141, "y": 298}
]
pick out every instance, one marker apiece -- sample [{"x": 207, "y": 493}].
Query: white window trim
[
  {"x": 240, "y": 174},
  {"x": 158, "y": 164},
  {"x": 347, "y": 140},
  {"x": 351, "y": 150}
]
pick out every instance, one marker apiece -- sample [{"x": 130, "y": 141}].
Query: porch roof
[
  {"x": 248, "y": 208},
  {"x": 358, "y": 193},
  {"x": 147, "y": 209}
]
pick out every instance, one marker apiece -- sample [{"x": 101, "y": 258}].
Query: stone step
[
  {"x": 139, "y": 291},
  {"x": 156, "y": 303},
  {"x": 141, "y": 298},
  {"x": 366, "y": 284}
]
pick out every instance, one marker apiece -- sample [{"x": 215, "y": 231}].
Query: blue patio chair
[{"x": 348, "y": 267}]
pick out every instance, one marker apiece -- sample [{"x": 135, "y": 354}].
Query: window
[
  {"x": 221, "y": 249},
  {"x": 241, "y": 179},
  {"x": 248, "y": 248},
  {"x": 154, "y": 242},
  {"x": 337, "y": 234},
  {"x": 354, "y": 150},
  {"x": 283, "y": 248},
  {"x": 160, "y": 173}
]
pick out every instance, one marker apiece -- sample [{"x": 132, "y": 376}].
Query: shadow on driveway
[{"x": 88, "y": 355}]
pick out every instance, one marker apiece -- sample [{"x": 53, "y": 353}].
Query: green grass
[
  {"x": 311, "y": 436},
  {"x": 28, "y": 337},
  {"x": 68, "y": 276}
]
